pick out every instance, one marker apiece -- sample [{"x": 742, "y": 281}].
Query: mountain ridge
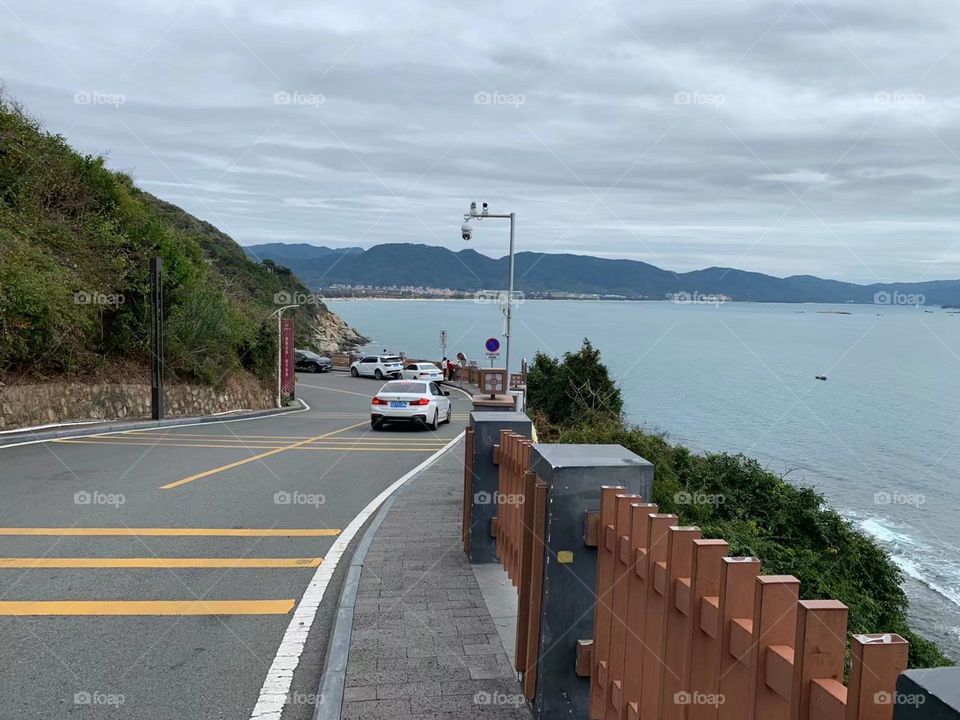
[{"x": 468, "y": 270}]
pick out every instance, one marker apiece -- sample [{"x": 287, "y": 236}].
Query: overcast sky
[{"x": 769, "y": 135}]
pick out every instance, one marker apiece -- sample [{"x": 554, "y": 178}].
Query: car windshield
[
  {"x": 390, "y": 359},
  {"x": 310, "y": 355},
  {"x": 404, "y": 387},
  {"x": 427, "y": 366}
]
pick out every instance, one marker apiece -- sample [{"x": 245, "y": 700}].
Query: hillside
[
  {"x": 75, "y": 244},
  {"x": 431, "y": 266}
]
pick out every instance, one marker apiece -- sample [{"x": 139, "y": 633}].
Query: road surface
[{"x": 153, "y": 574}]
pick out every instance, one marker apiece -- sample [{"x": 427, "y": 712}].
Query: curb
[
  {"x": 333, "y": 680},
  {"x": 20, "y": 438}
]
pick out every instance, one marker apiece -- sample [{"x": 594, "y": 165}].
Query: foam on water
[{"x": 941, "y": 578}]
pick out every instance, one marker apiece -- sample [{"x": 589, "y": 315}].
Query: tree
[{"x": 574, "y": 390}]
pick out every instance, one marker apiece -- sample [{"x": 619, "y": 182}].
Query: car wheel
[
  {"x": 377, "y": 374},
  {"x": 376, "y": 424},
  {"x": 436, "y": 420},
  {"x": 449, "y": 413},
  {"x": 314, "y": 368},
  {"x": 354, "y": 372}
]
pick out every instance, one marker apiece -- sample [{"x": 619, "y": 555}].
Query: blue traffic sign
[{"x": 492, "y": 345}]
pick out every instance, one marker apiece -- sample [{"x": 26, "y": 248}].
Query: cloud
[{"x": 793, "y": 137}]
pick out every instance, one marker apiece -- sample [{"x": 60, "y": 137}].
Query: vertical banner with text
[{"x": 287, "y": 377}]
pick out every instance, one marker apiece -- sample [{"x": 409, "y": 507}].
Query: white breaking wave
[{"x": 943, "y": 580}]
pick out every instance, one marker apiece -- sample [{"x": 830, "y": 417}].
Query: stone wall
[{"x": 42, "y": 404}]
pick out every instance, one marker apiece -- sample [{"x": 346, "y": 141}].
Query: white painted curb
[{"x": 276, "y": 686}]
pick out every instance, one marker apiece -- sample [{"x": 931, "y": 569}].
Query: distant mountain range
[{"x": 467, "y": 270}]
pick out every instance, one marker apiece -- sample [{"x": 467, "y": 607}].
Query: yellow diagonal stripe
[
  {"x": 238, "y": 463},
  {"x": 146, "y": 607},
  {"x": 155, "y": 562},
  {"x": 197, "y": 532}
]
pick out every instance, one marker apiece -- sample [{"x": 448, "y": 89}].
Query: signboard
[
  {"x": 287, "y": 376},
  {"x": 492, "y": 345}
]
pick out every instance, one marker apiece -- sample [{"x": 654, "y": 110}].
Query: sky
[{"x": 775, "y": 136}]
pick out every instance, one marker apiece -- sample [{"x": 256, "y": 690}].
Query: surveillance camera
[
  {"x": 473, "y": 209},
  {"x": 466, "y": 231},
  {"x": 485, "y": 209}
]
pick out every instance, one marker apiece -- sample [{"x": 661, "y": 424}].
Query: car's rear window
[
  {"x": 404, "y": 387},
  {"x": 390, "y": 359}
]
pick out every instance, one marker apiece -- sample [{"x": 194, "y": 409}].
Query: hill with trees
[{"x": 75, "y": 245}]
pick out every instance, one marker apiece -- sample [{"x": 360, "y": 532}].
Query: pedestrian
[
  {"x": 451, "y": 369},
  {"x": 444, "y": 368}
]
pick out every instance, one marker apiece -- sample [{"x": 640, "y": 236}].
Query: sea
[{"x": 879, "y": 438}]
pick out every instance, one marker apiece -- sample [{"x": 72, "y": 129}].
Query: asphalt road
[{"x": 152, "y": 574}]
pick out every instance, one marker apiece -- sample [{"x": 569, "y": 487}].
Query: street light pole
[
  {"x": 466, "y": 232},
  {"x": 279, "y": 314}
]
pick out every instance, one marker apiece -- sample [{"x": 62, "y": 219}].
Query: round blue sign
[{"x": 492, "y": 345}]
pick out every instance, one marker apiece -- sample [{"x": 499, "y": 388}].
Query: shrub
[{"x": 790, "y": 528}]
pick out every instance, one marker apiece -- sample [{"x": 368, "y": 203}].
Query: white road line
[
  {"x": 276, "y": 686},
  {"x": 174, "y": 426}
]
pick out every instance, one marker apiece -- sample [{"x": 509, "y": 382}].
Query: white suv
[{"x": 378, "y": 366}]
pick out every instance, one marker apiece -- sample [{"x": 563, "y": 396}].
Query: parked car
[
  {"x": 409, "y": 401},
  {"x": 378, "y": 366},
  {"x": 422, "y": 371},
  {"x": 307, "y": 361}
]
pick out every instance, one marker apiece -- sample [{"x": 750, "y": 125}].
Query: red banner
[{"x": 287, "y": 376}]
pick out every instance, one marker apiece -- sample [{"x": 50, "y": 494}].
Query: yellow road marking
[
  {"x": 155, "y": 562},
  {"x": 354, "y": 448},
  {"x": 256, "y": 438},
  {"x": 238, "y": 463},
  {"x": 189, "y": 532},
  {"x": 146, "y": 607}
]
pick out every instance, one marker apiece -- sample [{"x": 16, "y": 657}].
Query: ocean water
[{"x": 879, "y": 439}]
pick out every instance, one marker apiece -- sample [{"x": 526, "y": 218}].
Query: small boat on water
[{"x": 821, "y": 377}]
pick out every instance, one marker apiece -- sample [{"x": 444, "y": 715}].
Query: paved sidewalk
[{"x": 423, "y": 643}]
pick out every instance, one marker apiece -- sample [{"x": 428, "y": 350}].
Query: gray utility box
[
  {"x": 574, "y": 475},
  {"x": 486, "y": 477},
  {"x": 932, "y": 694}
]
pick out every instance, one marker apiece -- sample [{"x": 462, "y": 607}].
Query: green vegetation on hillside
[
  {"x": 75, "y": 245},
  {"x": 790, "y": 528}
]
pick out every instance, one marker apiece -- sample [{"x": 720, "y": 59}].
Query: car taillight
[
  {"x": 379, "y": 401},
  {"x": 420, "y": 401}
]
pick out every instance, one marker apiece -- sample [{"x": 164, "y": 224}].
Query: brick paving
[{"x": 423, "y": 644}]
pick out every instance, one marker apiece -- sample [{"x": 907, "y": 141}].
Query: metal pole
[
  {"x": 513, "y": 217},
  {"x": 156, "y": 339}
]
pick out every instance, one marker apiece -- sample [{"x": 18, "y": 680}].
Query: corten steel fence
[{"x": 681, "y": 630}]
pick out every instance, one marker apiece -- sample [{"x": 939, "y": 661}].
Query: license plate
[{"x": 397, "y": 403}]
